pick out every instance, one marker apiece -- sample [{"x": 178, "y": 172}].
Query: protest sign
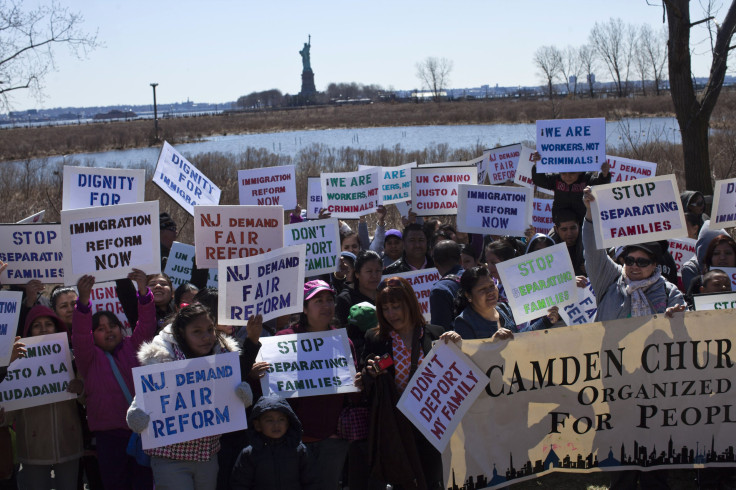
[
  {"x": 494, "y": 209},
  {"x": 41, "y": 376},
  {"x": 34, "y": 218},
  {"x": 538, "y": 281},
  {"x": 478, "y": 163},
  {"x": 583, "y": 310},
  {"x": 108, "y": 242},
  {"x": 571, "y": 145},
  {"x": 183, "y": 182},
  {"x": 229, "y": 232},
  {"x": 104, "y": 297},
  {"x": 724, "y": 203},
  {"x": 500, "y": 163},
  {"x": 395, "y": 182},
  {"x": 731, "y": 271},
  {"x": 434, "y": 189},
  {"x": 322, "y": 239},
  {"x": 351, "y": 194},
  {"x": 421, "y": 282},
  {"x": 32, "y": 252},
  {"x": 268, "y": 186},
  {"x": 10, "y": 304},
  {"x": 645, "y": 210},
  {"x": 444, "y": 387},
  {"x": 682, "y": 250},
  {"x": 542, "y": 215},
  {"x": 523, "y": 175},
  {"x": 86, "y": 187},
  {"x": 715, "y": 301},
  {"x": 314, "y": 197},
  {"x": 308, "y": 364},
  {"x": 180, "y": 264},
  {"x": 644, "y": 393},
  {"x": 403, "y": 208},
  {"x": 625, "y": 169},
  {"x": 269, "y": 284},
  {"x": 189, "y": 399}
]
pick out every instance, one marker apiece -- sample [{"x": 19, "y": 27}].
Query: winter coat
[
  {"x": 694, "y": 267},
  {"x": 471, "y": 325},
  {"x": 442, "y": 298},
  {"x": 568, "y": 196},
  {"x": 402, "y": 265}
]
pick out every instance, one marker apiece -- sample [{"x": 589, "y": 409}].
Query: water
[{"x": 410, "y": 138}]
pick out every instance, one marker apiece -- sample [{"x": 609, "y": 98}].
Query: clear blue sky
[{"x": 218, "y": 50}]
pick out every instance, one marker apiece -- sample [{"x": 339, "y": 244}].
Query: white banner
[
  {"x": 32, "y": 252},
  {"x": 10, "y": 304},
  {"x": 87, "y": 187},
  {"x": 322, "y": 239},
  {"x": 500, "y": 163},
  {"x": 104, "y": 297},
  {"x": 571, "y": 145},
  {"x": 724, "y": 203},
  {"x": 542, "y": 215},
  {"x": 314, "y": 197},
  {"x": 268, "y": 186},
  {"x": 682, "y": 250},
  {"x": 494, "y": 209},
  {"x": 715, "y": 301},
  {"x": 180, "y": 264},
  {"x": 351, "y": 194},
  {"x": 395, "y": 182},
  {"x": 34, "y": 218},
  {"x": 523, "y": 174},
  {"x": 421, "y": 282},
  {"x": 625, "y": 169},
  {"x": 434, "y": 189},
  {"x": 584, "y": 310}
]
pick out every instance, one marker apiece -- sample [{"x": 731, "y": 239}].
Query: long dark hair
[
  {"x": 184, "y": 317},
  {"x": 364, "y": 256},
  {"x": 720, "y": 239},
  {"x": 111, "y": 317},
  {"x": 467, "y": 282},
  {"x": 397, "y": 290}
]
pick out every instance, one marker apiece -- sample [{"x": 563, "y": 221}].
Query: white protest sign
[
  {"x": 403, "y": 208},
  {"x": 644, "y": 210},
  {"x": 538, "y": 281},
  {"x": 104, "y": 297},
  {"x": 434, "y": 189},
  {"x": 395, "y": 182},
  {"x": 229, "y": 232},
  {"x": 445, "y": 386},
  {"x": 351, "y": 194},
  {"x": 10, "y": 304},
  {"x": 32, "y": 252},
  {"x": 189, "y": 399},
  {"x": 571, "y": 145},
  {"x": 542, "y": 215},
  {"x": 268, "y": 186},
  {"x": 421, "y": 282},
  {"x": 625, "y": 169},
  {"x": 731, "y": 272},
  {"x": 478, "y": 163},
  {"x": 314, "y": 197},
  {"x": 86, "y": 187},
  {"x": 494, "y": 209},
  {"x": 500, "y": 163},
  {"x": 715, "y": 301},
  {"x": 724, "y": 203},
  {"x": 42, "y": 376},
  {"x": 308, "y": 364},
  {"x": 523, "y": 175},
  {"x": 180, "y": 264},
  {"x": 107, "y": 242},
  {"x": 34, "y": 218},
  {"x": 183, "y": 182},
  {"x": 269, "y": 284},
  {"x": 582, "y": 311},
  {"x": 322, "y": 239},
  {"x": 681, "y": 250}
]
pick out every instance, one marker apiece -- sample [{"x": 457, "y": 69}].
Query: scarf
[{"x": 640, "y": 305}]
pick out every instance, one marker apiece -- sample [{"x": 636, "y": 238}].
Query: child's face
[
  {"x": 43, "y": 325},
  {"x": 107, "y": 335},
  {"x": 199, "y": 335},
  {"x": 569, "y": 177},
  {"x": 717, "y": 284},
  {"x": 161, "y": 290},
  {"x": 272, "y": 424}
]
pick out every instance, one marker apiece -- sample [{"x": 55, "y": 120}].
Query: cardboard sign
[
  {"x": 268, "y": 186},
  {"x": 104, "y": 297},
  {"x": 314, "y": 197},
  {"x": 183, "y": 182},
  {"x": 724, "y": 203},
  {"x": 10, "y": 304},
  {"x": 32, "y": 219},
  {"x": 731, "y": 271},
  {"x": 445, "y": 386},
  {"x": 500, "y": 163},
  {"x": 395, "y": 182},
  {"x": 493, "y": 209},
  {"x": 180, "y": 264},
  {"x": 351, "y": 194},
  {"x": 681, "y": 250},
  {"x": 715, "y": 301},
  {"x": 107, "y": 242},
  {"x": 625, "y": 169},
  {"x": 269, "y": 284},
  {"x": 229, "y": 232},
  {"x": 434, "y": 189},
  {"x": 32, "y": 252},
  {"x": 87, "y": 187},
  {"x": 538, "y": 281},
  {"x": 308, "y": 364},
  {"x": 571, "y": 145},
  {"x": 542, "y": 215},
  {"x": 42, "y": 376},
  {"x": 646, "y": 210},
  {"x": 584, "y": 310},
  {"x": 523, "y": 175},
  {"x": 189, "y": 399},
  {"x": 322, "y": 241},
  {"x": 421, "y": 282},
  {"x": 478, "y": 163}
]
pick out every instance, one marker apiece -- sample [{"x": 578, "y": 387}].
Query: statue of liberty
[{"x": 306, "y": 64}]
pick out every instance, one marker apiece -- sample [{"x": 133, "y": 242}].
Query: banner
[
  {"x": 645, "y": 393},
  {"x": 421, "y": 282},
  {"x": 32, "y": 252},
  {"x": 104, "y": 297},
  {"x": 537, "y": 281},
  {"x": 542, "y": 215},
  {"x": 724, "y": 203},
  {"x": 229, "y": 232},
  {"x": 322, "y": 241},
  {"x": 434, "y": 189},
  {"x": 500, "y": 163},
  {"x": 314, "y": 197},
  {"x": 108, "y": 242},
  {"x": 351, "y": 194},
  {"x": 87, "y": 187},
  {"x": 682, "y": 250},
  {"x": 625, "y": 169},
  {"x": 183, "y": 182},
  {"x": 10, "y": 304},
  {"x": 494, "y": 209},
  {"x": 646, "y": 210},
  {"x": 715, "y": 301},
  {"x": 32, "y": 219},
  {"x": 42, "y": 376},
  {"x": 523, "y": 175},
  {"x": 583, "y": 310},
  {"x": 180, "y": 264},
  {"x": 478, "y": 163},
  {"x": 571, "y": 145},
  {"x": 269, "y": 284},
  {"x": 395, "y": 182},
  {"x": 268, "y": 186},
  {"x": 444, "y": 387},
  {"x": 308, "y": 364},
  {"x": 189, "y": 399}
]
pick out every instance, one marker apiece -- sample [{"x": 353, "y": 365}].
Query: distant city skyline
[{"x": 220, "y": 50}]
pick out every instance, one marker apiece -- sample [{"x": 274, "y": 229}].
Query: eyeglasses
[{"x": 639, "y": 261}]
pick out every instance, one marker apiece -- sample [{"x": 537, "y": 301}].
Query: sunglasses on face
[{"x": 639, "y": 261}]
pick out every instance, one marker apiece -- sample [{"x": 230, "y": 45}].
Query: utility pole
[{"x": 155, "y": 110}]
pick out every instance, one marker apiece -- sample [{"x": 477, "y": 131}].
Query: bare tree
[
  {"x": 693, "y": 110},
  {"x": 549, "y": 61},
  {"x": 588, "y": 64},
  {"x": 641, "y": 59},
  {"x": 614, "y": 41},
  {"x": 570, "y": 69},
  {"x": 434, "y": 74},
  {"x": 654, "y": 45}
]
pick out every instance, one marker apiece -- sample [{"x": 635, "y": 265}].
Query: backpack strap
[{"x": 119, "y": 378}]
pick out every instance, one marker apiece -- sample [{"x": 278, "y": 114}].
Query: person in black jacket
[{"x": 415, "y": 256}]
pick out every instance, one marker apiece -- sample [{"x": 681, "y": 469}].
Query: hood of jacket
[
  {"x": 688, "y": 196},
  {"x": 39, "y": 311},
  {"x": 706, "y": 236},
  {"x": 275, "y": 402},
  {"x": 536, "y": 236},
  {"x": 161, "y": 348}
]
